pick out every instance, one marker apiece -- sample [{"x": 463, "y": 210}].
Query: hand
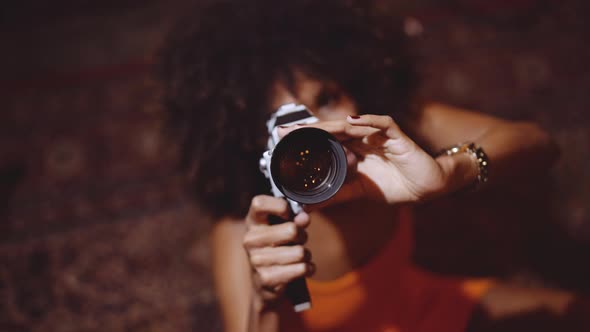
[
  {"x": 275, "y": 252},
  {"x": 387, "y": 164}
]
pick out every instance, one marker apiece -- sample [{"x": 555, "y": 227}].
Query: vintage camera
[{"x": 307, "y": 166}]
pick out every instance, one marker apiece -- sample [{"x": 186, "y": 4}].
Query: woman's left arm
[
  {"x": 515, "y": 149},
  {"x": 399, "y": 165}
]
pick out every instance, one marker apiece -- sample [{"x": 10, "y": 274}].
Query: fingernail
[{"x": 354, "y": 117}]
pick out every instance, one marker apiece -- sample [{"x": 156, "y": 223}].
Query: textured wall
[{"x": 96, "y": 233}]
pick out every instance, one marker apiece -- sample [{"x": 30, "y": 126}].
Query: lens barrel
[{"x": 308, "y": 165}]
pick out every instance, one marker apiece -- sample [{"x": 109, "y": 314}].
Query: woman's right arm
[
  {"x": 231, "y": 273},
  {"x": 249, "y": 283}
]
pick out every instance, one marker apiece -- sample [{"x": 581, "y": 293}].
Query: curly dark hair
[{"x": 219, "y": 65}]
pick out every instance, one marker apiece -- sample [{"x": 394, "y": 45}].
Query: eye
[{"x": 326, "y": 98}]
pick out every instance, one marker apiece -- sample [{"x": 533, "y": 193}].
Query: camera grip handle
[
  {"x": 296, "y": 291},
  {"x": 298, "y": 294}
]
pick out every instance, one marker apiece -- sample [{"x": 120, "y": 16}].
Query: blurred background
[{"x": 97, "y": 233}]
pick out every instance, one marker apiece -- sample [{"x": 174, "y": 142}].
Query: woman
[{"x": 227, "y": 69}]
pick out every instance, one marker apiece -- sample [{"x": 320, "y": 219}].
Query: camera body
[
  {"x": 286, "y": 115},
  {"x": 308, "y": 165}
]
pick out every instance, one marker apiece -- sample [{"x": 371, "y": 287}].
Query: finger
[
  {"x": 279, "y": 256},
  {"x": 338, "y": 128},
  {"x": 263, "y": 206},
  {"x": 302, "y": 220},
  {"x": 382, "y": 122},
  {"x": 360, "y": 131},
  {"x": 268, "y": 293},
  {"x": 272, "y": 276},
  {"x": 273, "y": 236}
]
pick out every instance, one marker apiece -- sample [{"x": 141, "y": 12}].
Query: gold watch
[{"x": 478, "y": 155}]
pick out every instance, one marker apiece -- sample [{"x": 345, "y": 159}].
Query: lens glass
[
  {"x": 308, "y": 165},
  {"x": 305, "y": 166}
]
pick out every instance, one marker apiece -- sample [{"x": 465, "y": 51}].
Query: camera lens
[
  {"x": 308, "y": 165},
  {"x": 305, "y": 167}
]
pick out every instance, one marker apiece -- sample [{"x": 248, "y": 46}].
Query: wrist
[
  {"x": 458, "y": 172},
  {"x": 264, "y": 301},
  {"x": 263, "y": 315},
  {"x": 463, "y": 166}
]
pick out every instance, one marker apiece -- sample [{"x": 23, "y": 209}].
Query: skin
[{"x": 252, "y": 262}]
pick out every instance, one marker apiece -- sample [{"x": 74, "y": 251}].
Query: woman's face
[{"x": 324, "y": 99}]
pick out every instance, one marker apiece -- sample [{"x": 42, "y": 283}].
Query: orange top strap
[{"x": 389, "y": 294}]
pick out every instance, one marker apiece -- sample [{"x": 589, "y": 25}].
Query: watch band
[{"x": 478, "y": 155}]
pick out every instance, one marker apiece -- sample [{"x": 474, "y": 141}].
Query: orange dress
[{"x": 389, "y": 294}]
